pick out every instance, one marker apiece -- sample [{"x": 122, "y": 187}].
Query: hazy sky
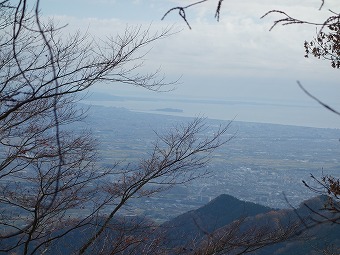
[{"x": 236, "y": 58}]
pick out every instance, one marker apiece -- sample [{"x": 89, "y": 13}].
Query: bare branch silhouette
[
  {"x": 317, "y": 100},
  {"x": 182, "y": 9},
  {"x": 48, "y": 170}
]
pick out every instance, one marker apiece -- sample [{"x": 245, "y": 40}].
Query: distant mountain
[
  {"x": 227, "y": 225},
  {"x": 196, "y": 224},
  {"x": 97, "y": 96},
  {"x": 169, "y": 110}
]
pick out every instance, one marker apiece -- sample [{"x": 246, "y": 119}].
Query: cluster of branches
[
  {"x": 242, "y": 236},
  {"x": 329, "y": 185},
  {"x": 50, "y": 181},
  {"x": 326, "y": 45},
  {"x": 286, "y": 20},
  {"x": 253, "y": 237}
]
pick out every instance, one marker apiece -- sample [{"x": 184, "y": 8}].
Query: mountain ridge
[{"x": 239, "y": 223}]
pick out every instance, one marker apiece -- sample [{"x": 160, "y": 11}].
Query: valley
[{"x": 263, "y": 163}]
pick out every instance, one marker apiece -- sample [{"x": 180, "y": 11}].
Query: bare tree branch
[
  {"x": 318, "y": 100},
  {"x": 176, "y": 159},
  {"x": 46, "y": 169},
  {"x": 182, "y": 9}
]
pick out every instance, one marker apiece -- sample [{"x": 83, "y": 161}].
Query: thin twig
[
  {"x": 182, "y": 14},
  {"x": 318, "y": 100}
]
